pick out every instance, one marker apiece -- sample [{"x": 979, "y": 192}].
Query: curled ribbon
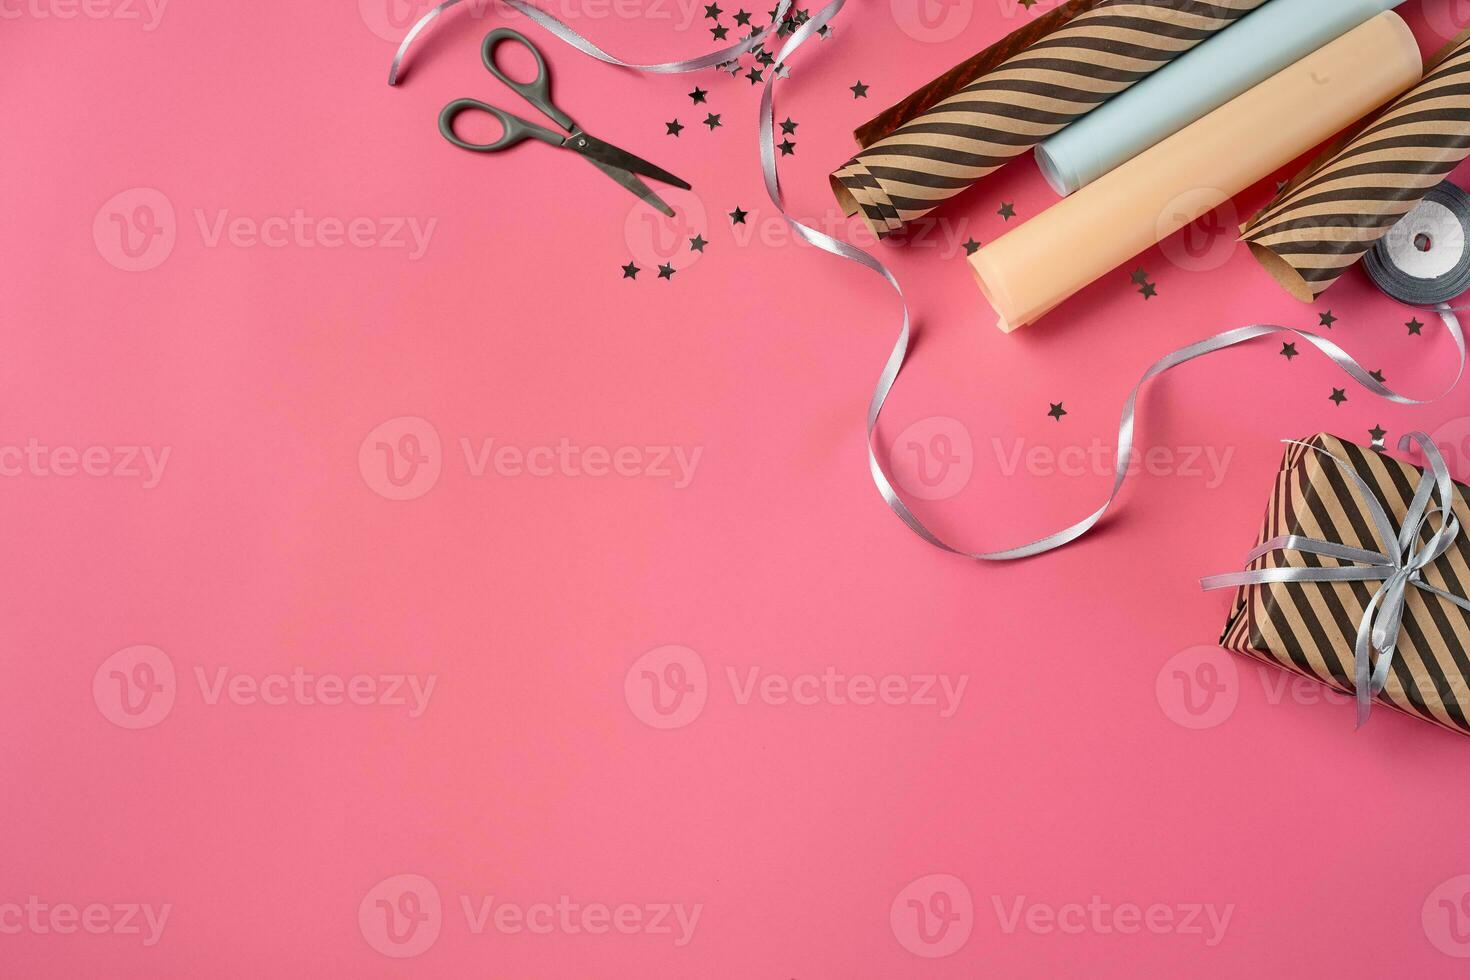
[
  {"x": 899, "y": 353},
  {"x": 1400, "y": 565}
]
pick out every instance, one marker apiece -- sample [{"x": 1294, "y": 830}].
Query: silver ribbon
[
  {"x": 1400, "y": 565},
  {"x": 896, "y": 358},
  {"x": 585, "y": 46}
]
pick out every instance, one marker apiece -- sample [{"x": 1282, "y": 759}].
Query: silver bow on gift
[{"x": 1402, "y": 566}]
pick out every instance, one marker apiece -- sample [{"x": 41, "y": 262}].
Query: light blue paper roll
[{"x": 1188, "y": 88}]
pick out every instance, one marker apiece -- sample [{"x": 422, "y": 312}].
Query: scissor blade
[
  {"x": 595, "y": 149},
  {"x": 633, "y": 184}
]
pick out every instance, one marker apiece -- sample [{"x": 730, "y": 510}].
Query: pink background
[{"x": 826, "y": 839}]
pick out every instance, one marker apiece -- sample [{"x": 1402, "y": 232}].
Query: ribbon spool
[{"x": 1424, "y": 260}]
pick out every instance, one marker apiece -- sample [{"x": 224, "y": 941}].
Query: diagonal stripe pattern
[{"x": 1032, "y": 95}]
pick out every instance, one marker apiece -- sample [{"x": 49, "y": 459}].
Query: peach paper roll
[
  {"x": 1035, "y": 267},
  {"x": 1327, "y": 218},
  {"x": 1030, "y": 96}
]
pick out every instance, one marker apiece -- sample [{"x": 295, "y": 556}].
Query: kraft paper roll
[
  {"x": 967, "y": 71},
  {"x": 1330, "y": 215},
  {"x": 1038, "y": 265},
  {"x": 1262, "y": 44},
  {"x": 1030, "y": 96}
]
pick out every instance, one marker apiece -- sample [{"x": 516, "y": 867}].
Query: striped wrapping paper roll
[
  {"x": 922, "y": 99},
  {"x": 1030, "y": 96},
  {"x": 1327, "y": 217},
  {"x": 1310, "y": 628}
]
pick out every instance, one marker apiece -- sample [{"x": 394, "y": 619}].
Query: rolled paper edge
[
  {"x": 992, "y": 287},
  {"x": 845, "y": 200},
  {"x": 993, "y": 297},
  {"x": 848, "y": 185},
  {"x": 1286, "y": 274},
  {"x": 1063, "y": 183}
]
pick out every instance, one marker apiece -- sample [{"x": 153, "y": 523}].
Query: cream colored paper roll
[{"x": 1038, "y": 265}]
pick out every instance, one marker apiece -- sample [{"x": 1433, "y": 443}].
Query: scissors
[{"x": 620, "y": 165}]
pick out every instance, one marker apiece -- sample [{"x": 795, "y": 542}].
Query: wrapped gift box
[{"x": 1312, "y": 627}]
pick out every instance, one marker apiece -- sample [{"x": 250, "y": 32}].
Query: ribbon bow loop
[{"x": 1398, "y": 567}]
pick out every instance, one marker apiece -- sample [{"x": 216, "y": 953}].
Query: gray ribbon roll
[
  {"x": 1425, "y": 258},
  {"x": 1398, "y": 568},
  {"x": 896, "y": 358}
]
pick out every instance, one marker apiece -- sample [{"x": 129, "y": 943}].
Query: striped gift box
[
  {"x": 1030, "y": 96},
  {"x": 1310, "y": 628}
]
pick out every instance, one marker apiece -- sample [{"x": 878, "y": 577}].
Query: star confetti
[
  {"x": 1377, "y": 376},
  {"x": 788, "y": 128},
  {"x": 971, "y": 247},
  {"x": 1378, "y": 433},
  {"x": 1289, "y": 351},
  {"x": 1415, "y": 327},
  {"x": 713, "y": 11},
  {"x": 738, "y": 216},
  {"x": 697, "y": 243},
  {"x": 712, "y": 120},
  {"x": 698, "y": 95},
  {"x": 1145, "y": 288},
  {"x": 666, "y": 271},
  {"x": 742, "y": 17},
  {"x": 1007, "y": 210},
  {"x": 859, "y": 91},
  {"x": 787, "y": 147},
  {"x": 1326, "y": 319},
  {"x": 754, "y": 75},
  {"x": 1338, "y": 396},
  {"x": 630, "y": 271},
  {"x": 674, "y": 128},
  {"x": 1057, "y": 411},
  {"x": 720, "y": 32}
]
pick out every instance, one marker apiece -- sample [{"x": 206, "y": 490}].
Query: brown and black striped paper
[
  {"x": 967, "y": 71},
  {"x": 1329, "y": 215},
  {"x": 1311, "y": 628},
  {"x": 1030, "y": 96}
]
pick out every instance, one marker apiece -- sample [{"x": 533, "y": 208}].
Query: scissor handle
[
  {"x": 515, "y": 129},
  {"x": 538, "y": 90}
]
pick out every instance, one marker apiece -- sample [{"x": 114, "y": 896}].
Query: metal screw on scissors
[{"x": 620, "y": 165}]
